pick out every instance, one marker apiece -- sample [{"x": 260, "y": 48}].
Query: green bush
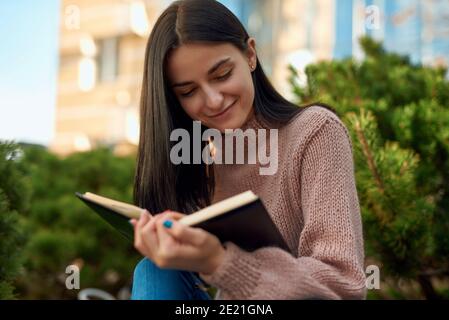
[
  {"x": 398, "y": 117},
  {"x": 14, "y": 197},
  {"x": 64, "y": 231}
]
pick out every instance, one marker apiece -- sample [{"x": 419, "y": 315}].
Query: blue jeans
[{"x": 153, "y": 283}]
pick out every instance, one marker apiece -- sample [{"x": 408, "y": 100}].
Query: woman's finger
[
  {"x": 167, "y": 214},
  {"x": 167, "y": 244},
  {"x": 150, "y": 239},
  {"x": 173, "y": 215},
  {"x": 186, "y": 234},
  {"x": 143, "y": 220}
]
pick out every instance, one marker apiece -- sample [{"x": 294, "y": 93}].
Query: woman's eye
[
  {"x": 188, "y": 94},
  {"x": 219, "y": 78},
  {"x": 225, "y": 76}
]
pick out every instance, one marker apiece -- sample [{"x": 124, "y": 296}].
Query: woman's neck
[{"x": 242, "y": 143}]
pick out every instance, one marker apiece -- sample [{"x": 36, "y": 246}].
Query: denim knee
[
  {"x": 145, "y": 266},
  {"x": 153, "y": 283}
]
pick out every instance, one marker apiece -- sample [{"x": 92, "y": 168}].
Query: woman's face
[{"x": 213, "y": 82}]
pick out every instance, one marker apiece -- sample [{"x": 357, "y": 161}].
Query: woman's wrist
[{"x": 215, "y": 261}]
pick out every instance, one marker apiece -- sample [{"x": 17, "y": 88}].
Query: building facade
[
  {"x": 417, "y": 28},
  {"x": 101, "y": 56},
  {"x": 101, "y": 53},
  {"x": 102, "y": 47}
]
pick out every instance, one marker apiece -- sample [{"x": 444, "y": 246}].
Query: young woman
[{"x": 201, "y": 65}]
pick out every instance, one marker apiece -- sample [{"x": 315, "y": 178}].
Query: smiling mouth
[{"x": 219, "y": 114}]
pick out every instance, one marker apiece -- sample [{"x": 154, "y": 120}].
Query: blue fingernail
[{"x": 168, "y": 224}]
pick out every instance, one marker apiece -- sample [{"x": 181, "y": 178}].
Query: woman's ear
[{"x": 251, "y": 53}]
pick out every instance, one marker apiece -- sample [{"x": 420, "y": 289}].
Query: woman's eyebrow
[
  {"x": 211, "y": 70},
  {"x": 217, "y": 65}
]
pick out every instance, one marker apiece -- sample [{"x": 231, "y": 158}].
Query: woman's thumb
[{"x": 184, "y": 233}]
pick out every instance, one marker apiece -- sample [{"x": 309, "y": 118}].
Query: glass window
[{"x": 107, "y": 59}]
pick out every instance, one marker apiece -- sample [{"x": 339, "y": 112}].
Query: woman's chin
[{"x": 232, "y": 124}]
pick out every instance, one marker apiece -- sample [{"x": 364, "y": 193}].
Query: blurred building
[
  {"x": 296, "y": 32},
  {"x": 300, "y": 32},
  {"x": 101, "y": 53},
  {"x": 101, "y": 56},
  {"x": 102, "y": 46},
  {"x": 418, "y": 28}
]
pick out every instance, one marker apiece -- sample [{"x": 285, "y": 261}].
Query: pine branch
[
  {"x": 369, "y": 156},
  {"x": 357, "y": 125}
]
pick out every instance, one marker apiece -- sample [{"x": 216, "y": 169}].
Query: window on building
[{"x": 107, "y": 59}]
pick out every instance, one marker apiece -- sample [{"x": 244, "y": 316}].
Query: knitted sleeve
[{"x": 330, "y": 249}]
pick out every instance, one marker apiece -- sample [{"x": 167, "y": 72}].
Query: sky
[{"x": 28, "y": 69}]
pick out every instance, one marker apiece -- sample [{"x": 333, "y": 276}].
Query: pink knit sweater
[{"x": 313, "y": 201}]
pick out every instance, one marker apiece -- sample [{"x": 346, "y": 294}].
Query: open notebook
[{"x": 242, "y": 219}]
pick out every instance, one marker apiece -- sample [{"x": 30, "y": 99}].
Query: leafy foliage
[
  {"x": 398, "y": 117},
  {"x": 14, "y": 194},
  {"x": 63, "y": 231}
]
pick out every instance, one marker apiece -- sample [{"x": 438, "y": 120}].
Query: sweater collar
[{"x": 254, "y": 121}]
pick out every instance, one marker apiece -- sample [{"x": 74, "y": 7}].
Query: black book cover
[
  {"x": 248, "y": 226},
  {"x": 116, "y": 220}
]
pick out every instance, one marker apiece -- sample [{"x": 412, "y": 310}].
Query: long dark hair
[{"x": 159, "y": 184}]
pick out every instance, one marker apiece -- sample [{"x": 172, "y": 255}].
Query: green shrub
[
  {"x": 14, "y": 197},
  {"x": 64, "y": 231},
  {"x": 398, "y": 117}
]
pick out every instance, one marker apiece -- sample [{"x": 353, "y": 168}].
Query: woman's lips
[{"x": 224, "y": 111}]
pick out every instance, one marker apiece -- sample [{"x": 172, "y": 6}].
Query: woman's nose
[{"x": 214, "y": 99}]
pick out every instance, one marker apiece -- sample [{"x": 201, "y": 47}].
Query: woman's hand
[{"x": 170, "y": 244}]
